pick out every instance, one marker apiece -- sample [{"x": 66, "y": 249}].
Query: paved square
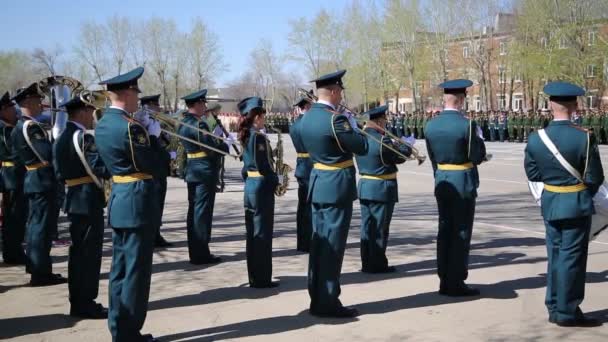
[{"x": 193, "y": 303}]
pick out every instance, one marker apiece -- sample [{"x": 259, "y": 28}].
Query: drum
[{"x": 599, "y": 221}]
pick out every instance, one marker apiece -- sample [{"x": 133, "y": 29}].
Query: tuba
[
  {"x": 280, "y": 168},
  {"x": 58, "y": 89}
]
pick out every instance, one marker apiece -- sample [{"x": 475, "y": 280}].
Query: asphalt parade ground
[{"x": 209, "y": 303}]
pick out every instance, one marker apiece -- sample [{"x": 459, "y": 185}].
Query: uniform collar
[
  {"x": 118, "y": 108},
  {"x": 326, "y": 103}
]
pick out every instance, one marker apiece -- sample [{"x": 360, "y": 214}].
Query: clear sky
[{"x": 240, "y": 24}]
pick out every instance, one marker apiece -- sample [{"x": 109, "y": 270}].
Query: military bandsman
[
  {"x": 31, "y": 144},
  {"x": 77, "y": 163},
  {"x": 151, "y": 104},
  {"x": 455, "y": 151},
  {"x": 131, "y": 152},
  {"x": 260, "y": 183},
  {"x": 11, "y": 184},
  {"x": 571, "y": 180},
  {"x": 331, "y": 140},
  {"x": 302, "y": 174},
  {"x": 201, "y": 175},
  {"x": 378, "y": 191}
]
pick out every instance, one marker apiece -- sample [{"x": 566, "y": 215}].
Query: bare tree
[
  {"x": 205, "y": 56},
  {"x": 158, "y": 39},
  {"x": 91, "y": 48},
  {"x": 266, "y": 67},
  {"x": 306, "y": 45},
  {"x": 48, "y": 59},
  {"x": 119, "y": 40}
]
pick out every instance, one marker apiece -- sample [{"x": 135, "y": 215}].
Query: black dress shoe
[
  {"x": 582, "y": 321},
  {"x": 387, "y": 269},
  {"x": 148, "y": 338},
  {"x": 16, "y": 261},
  {"x": 341, "y": 312},
  {"x": 161, "y": 242},
  {"x": 459, "y": 291},
  {"x": 270, "y": 285},
  {"x": 94, "y": 311},
  {"x": 48, "y": 280},
  {"x": 208, "y": 261}
]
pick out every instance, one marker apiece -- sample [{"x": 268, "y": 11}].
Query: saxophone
[{"x": 280, "y": 168}]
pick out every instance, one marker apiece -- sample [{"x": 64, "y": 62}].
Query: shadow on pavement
[{"x": 20, "y": 326}]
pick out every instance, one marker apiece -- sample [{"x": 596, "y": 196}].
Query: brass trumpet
[
  {"x": 161, "y": 117},
  {"x": 97, "y": 99},
  {"x": 415, "y": 153}
]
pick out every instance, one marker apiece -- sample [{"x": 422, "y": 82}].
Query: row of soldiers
[{"x": 501, "y": 125}]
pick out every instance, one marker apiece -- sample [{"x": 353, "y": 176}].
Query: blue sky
[{"x": 240, "y": 24}]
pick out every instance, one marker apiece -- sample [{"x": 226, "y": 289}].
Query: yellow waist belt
[
  {"x": 8, "y": 164},
  {"x": 565, "y": 188},
  {"x": 78, "y": 181},
  {"x": 334, "y": 167},
  {"x": 254, "y": 174},
  {"x": 134, "y": 177},
  {"x": 196, "y": 155},
  {"x": 455, "y": 167},
  {"x": 303, "y": 155},
  {"x": 381, "y": 177},
  {"x": 36, "y": 166}
]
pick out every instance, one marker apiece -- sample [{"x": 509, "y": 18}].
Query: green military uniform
[
  {"x": 455, "y": 151},
  {"x": 260, "y": 183},
  {"x": 566, "y": 207},
  {"x": 511, "y": 126},
  {"x": 400, "y": 129},
  {"x": 31, "y": 145},
  {"x": 331, "y": 141},
  {"x": 201, "y": 176},
  {"x": 502, "y": 122},
  {"x": 586, "y": 123},
  {"x": 11, "y": 184},
  {"x": 378, "y": 193},
  {"x": 424, "y": 121},
  {"x": 164, "y": 168},
  {"x": 84, "y": 205},
  {"x": 527, "y": 125},
  {"x": 132, "y": 157},
  {"x": 302, "y": 174},
  {"x": 407, "y": 126},
  {"x": 596, "y": 125}
]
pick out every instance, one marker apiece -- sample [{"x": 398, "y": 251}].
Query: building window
[
  {"x": 503, "y": 48},
  {"x": 477, "y": 103},
  {"x": 502, "y": 75},
  {"x": 517, "y": 77},
  {"x": 543, "y": 103},
  {"x": 591, "y": 101},
  {"x": 590, "y": 70},
  {"x": 563, "y": 43},
  {"x": 518, "y": 102},
  {"x": 502, "y": 101},
  {"x": 591, "y": 38},
  {"x": 465, "y": 52},
  {"x": 544, "y": 42}
]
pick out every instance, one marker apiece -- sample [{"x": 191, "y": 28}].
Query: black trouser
[
  {"x": 303, "y": 217},
  {"x": 456, "y": 216},
  {"x": 84, "y": 261},
  {"x": 14, "y": 208},
  {"x": 41, "y": 225},
  {"x": 130, "y": 276}
]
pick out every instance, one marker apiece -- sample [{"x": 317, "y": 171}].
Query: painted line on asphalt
[{"x": 525, "y": 230}]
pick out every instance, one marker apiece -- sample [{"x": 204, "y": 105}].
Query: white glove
[
  {"x": 218, "y": 131},
  {"x": 280, "y": 177},
  {"x": 230, "y": 140},
  {"x": 173, "y": 155},
  {"x": 263, "y": 131},
  {"x": 154, "y": 128},
  {"x": 409, "y": 140},
  {"x": 143, "y": 117}
]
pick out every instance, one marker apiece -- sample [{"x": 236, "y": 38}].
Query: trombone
[
  {"x": 415, "y": 152},
  {"x": 175, "y": 122}
]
